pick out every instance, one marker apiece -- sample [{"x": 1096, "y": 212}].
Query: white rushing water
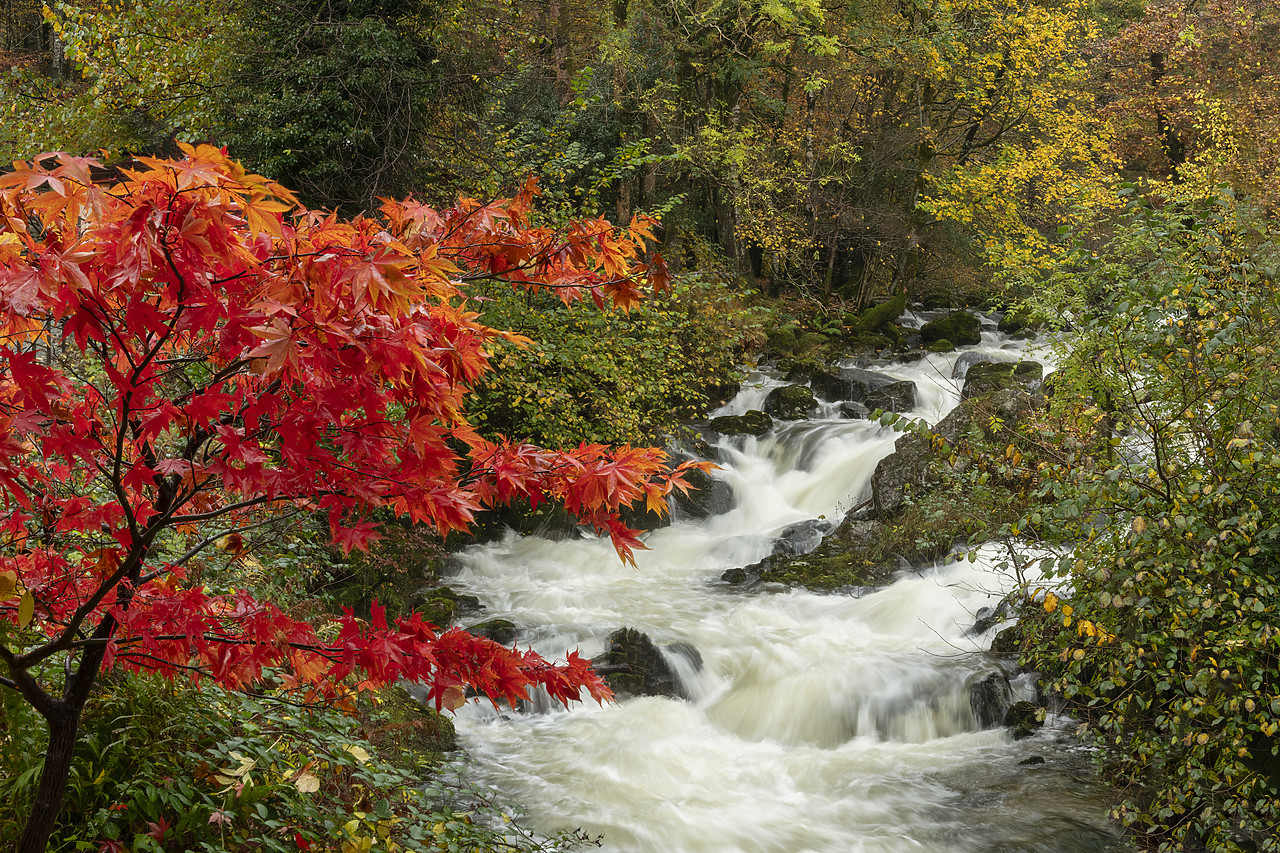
[{"x": 818, "y": 722}]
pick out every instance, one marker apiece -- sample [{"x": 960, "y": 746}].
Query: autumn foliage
[{"x": 186, "y": 350}]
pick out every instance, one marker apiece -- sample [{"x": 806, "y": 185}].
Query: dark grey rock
[
  {"x": 502, "y": 631},
  {"x": 908, "y": 468},
  {"x": 854, "y": 411},
  {"x": 802, "y": 537},
  {"x": 754, "y": 422},
  {"x": 987, "y": 377},
  {"x": 988, "y": 617},
  {"x": 790, "y": 403},
  {"x": 708, "y": 496},
  {"x": 959, "y": 327},
  {"x": 1023, "y": 718},
  {"x": 633, "y": 666},
  {"x": 874, "y": 390},
  {"x": 990, "y": 699}
]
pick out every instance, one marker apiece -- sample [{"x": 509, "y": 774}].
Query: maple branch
[
  {"x": 229, "y": 508},
  {"x": 63, "y": 641},
  {"x": 215, "y": 537},
  {"x": 24, "y": 683}
]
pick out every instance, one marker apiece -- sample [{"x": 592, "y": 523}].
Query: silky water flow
[{"x": 817, "y": 722}]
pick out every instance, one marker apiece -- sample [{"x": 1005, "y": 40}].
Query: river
[{"x": 817, "y": 722}]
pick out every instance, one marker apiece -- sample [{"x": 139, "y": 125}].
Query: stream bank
[{"x": 809, "y": 721}]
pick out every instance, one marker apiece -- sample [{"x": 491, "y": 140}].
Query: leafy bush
[
  {"x": 163, "y": 766},
  {"x": 1164, "y": 472},
  {"x": 609, "y": 376}
]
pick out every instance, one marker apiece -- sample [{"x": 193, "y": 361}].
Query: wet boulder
[
  {"x": 990, "y": 700},
  {"x": 873, "y": 390},
  {"x": 754, "y": 422},
  {"x": 988, "y": 617},
  {"x": 802, "y": 537},
  {"x": 633, "y": 666},
  {"x": 501, "y": 631},
  {"x": 987, "y": 377},
  {"x": 707, "y": 496},
  {"x": 854, "y": 411},
  {"x": 910, "y": 467},
  {"x": 1007, "y": 643},
  {"x": 878, "y": 317},
  {"x": 850, "y": 558},
  {"x": 959, "y": 327},
  {"x": 790, "y": 403},
  {"x": 442, "y": 606},
  {"x": 1022, "y": 719},
  {"x": 1018, "y": 323},
  {"x": 898, "y": 395},
  {"x": 799, "y": 369}
]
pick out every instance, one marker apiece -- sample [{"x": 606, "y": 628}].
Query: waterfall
[{"x": 818, "y": 722}]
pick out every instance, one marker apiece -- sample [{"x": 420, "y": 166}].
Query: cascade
[{"x": 816, "y": 722}]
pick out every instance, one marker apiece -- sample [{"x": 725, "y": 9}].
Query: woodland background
[{"x": 1111, "y": 165}]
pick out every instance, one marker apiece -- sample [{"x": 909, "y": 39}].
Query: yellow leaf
[
  {"x": 246, "y": 764},
  {"x": 359, "y": 752},
  {"x": 306, "y": 782},
  {"x": 1050, "y": 602},
  {"x": 26, "y": 609},
  {"x": 8, "y": 584}
]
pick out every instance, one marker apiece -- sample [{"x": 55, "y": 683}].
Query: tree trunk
[
  {"x": 63, "y": 719},
  {"x": 560, "y": 23},
  {"x": 63, "y": 723}
]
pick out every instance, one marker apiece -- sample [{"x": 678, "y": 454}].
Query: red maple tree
[{"x": 186, "y": 348}]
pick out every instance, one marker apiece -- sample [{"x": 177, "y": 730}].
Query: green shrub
[
  {"x": 1165, "y": 477},
  {"x": 608, "y": 376},
  {"x": 164, "y": 766}
]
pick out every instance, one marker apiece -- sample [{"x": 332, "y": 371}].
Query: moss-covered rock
[
  {"x": 1023, "y": 718},
  {"x": 870, "y": 342},
  {"x": 990, "y": 699},
  {"x": 781, "y": 339},
  {"x": 959, "y": 327},
  {"x": 442, "y": 606},
  {"x": 633, "y": 666},
  {"x": 799, "y": 369},
  {"x": 790, "y": 402},
  {"x": 851, "y": 556},
  {"x": 407, "y": 726},
  {"x": 877, "y": 317},
  {"x": 810, "y": 341},
  {"x": 1018, "y": 322},
  {"x": 502, "y": 631},
  {"x": 707, "y": 496},
  {"x": 1008, "y": 642},
  {"x": 943, "y": 345},
  {"x": 910, "y": 468},
  {"x": 754, "y": 422},
  {"x": 987, "y": 377},
  {"x": 874, "y": 390}
]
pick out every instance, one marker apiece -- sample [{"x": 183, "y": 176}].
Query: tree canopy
[{"x": 187, "y": 351}]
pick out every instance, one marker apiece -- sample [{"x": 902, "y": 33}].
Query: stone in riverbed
[
  {"x": 1023, "y": 718},
  {"x": 959, "y": 327},
  {"x": 990, "y": 699},
  {"x": 754, "y": 422},
  {"x": 802, "y": 537},
  {"x": 633, "y": 666},
  {"x": 987, "y": 377},
  {"x": 873, "y": 390},
  {"x": 790, "y": 403}
]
